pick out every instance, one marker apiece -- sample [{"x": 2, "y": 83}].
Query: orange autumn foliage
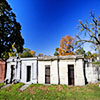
[
  {"x": 40, "y": 54},
  {"x": 32, "y": 53},
  {"x": 66, "y": 46}
]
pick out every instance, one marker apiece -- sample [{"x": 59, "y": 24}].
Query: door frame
[
  {"x": 27, "y": 73},
  {"x": 13, "y": 71},
  {"x": 73, "y": 74},
  {"x": 48, "y": 75}
]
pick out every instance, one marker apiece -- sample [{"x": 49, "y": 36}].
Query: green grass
[
  {"x": 1, "y": 84},
  {"x": 51, "y": 92}
]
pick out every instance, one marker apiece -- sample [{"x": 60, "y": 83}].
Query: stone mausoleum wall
[
  {"x": 50, "y": 70},
  {"x": 92, "y": 72}
]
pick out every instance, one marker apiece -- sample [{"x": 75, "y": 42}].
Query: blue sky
[{"x": 45, "y": 22}]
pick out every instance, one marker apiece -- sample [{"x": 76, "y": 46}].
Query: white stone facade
[
  {"x": 59, "y": 69},
  {"x": 64, "y": 62},
  {"x": 53, "y": 62},
  {"x": 13, "y": 67},
  {"x": 19, "y": 71},
  {"x": 25, "y": 63},
  {"x": 68, "y": 70},
  {"x": 92, "y": 72}
]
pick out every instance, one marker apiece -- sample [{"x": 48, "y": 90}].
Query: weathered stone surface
[
  {"x": 78, "y": 71},
  {"x": 53, "y": 71},
  {"x": 58, "y": 70},
  {"x": 13, "y": 70},
  {"x": 92, "y": 72},
  {"x": 47, "y": 58},
  {"x": 25, "y": 63},
  {"x": 19, "y": 71},
  {"x": 24, "y": 87}
]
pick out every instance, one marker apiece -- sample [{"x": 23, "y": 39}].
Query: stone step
[
  {"x": 5, "y": 86},
  {"x": 24, "y": 87}
]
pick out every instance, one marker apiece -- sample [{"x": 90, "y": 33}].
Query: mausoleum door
[
  {"x": 28, "y": 73},
  {"x": 12, "y": 73},
  {"x": 70, "y": 74},
  {"x": 47, "y": 74}
]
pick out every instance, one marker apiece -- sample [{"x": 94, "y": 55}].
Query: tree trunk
[{"x": 99, "y": 48}]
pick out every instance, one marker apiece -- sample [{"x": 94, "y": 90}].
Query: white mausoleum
[
  {"x": 61, "y": 70},
  {"x": 21, "y": 70},
  {"x": 29, "y": 70},
  {"x": 13, "y": 70},
  {"x": 68, "y": 70}
]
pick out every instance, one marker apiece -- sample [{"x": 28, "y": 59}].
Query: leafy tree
[
  {"x": 27, "y": 53},
  {"x": 12, "y": 53},
  {"x": 56, "y": 52},
  {"x": 9, "y": 30},
  {"x": 32, "y": 53},
  {"x": 94, "y": 55},
  {"x": 66, "y": 46},
  {"x": 40, "y": 54},
  {"x": 80, "y": 51},
  {"x": 91, "y": 33},
  {"x": 89, "y": 54}
]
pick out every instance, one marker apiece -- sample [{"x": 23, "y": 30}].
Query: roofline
[
  {"x": 60, "y": 57},
  {"x": 29, "y": 58},
  {"x": 46, "y": 58}
]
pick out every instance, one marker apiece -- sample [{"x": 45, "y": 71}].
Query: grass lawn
[
  {"x": 51, "y": 92},
  {"x": 1, "y": 84}
]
